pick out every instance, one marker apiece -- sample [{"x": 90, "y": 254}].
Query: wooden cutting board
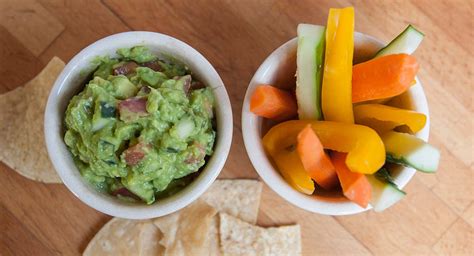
[{"x": 436, "y": 217}]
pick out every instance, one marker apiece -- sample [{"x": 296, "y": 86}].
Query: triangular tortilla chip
[
  {"x": 22, "y": 145},
  {"x": 241, "y": 238},
  {"x": 237, "y": 197},
  {"x": 186, "y": 232},
  {"x": 214, "y": 240},
  {"x": 126, "y": 237},
  {"x": 149, "y": 240},
  {"x": 117, "y": 237}
]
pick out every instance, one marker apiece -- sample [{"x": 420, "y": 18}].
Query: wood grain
[
  {"x": 436, "y": 217},
  {"x": 457, "y": 240},
  {"x": 30, "y": 23},
  {"x": 322, "y": 235},
  {"x": 15, "y": 56},
  {"x": 385, "y": 233},
  {"x": 87, "y": 21},
  {"x": 17, "y": 234},
  {"x": 468, "y": 215}
]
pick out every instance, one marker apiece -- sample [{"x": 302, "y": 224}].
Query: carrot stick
[
  {"x": 383, "y": 77},
  {"x": 273, "y": 103},
  {"x": 314, "y": 159},
  {"x": 355, "y": 186}
]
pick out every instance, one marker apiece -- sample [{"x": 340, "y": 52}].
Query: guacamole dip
[{"x": 141, "y": 127}]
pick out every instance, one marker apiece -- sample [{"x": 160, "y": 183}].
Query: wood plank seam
[
  {"x": 446, "y": 231},
  {"x": 443, "y": 200},
  {"x": 352, "y": 235},
  {"x": 51, "y": 43},
  {"x": 115, "y": 14},
  {"x": 428, "y": 15},
  {"x": 30, "y": 23}
]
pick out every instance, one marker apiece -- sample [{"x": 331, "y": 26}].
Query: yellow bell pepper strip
[
  {"x": 289, "y": 163},
  {"x": 366, "y": 152},
  {"x": 384, "y": 118},
  {"x": 292, "y": 170},
  {"x": 337, "y": 78}
]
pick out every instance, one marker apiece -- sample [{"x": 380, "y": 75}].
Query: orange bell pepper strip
[
  {"x": 355, "y": 186},
  {"x": 385, "y": 118},
  {"x": 366, "y": 152},
  {"x": 336, "y": 98}
]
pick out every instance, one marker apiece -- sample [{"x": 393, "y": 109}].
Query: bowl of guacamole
[{"x": 138, "y": 125}]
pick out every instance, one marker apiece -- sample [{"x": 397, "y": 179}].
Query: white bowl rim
[
  {"x": 62, "y": 160},
  {"x": 270, "y": 175}
]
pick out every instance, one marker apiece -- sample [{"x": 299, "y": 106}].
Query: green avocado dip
[{"x": 142, "y": 127}]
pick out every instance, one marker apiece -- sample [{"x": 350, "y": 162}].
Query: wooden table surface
[{"x": 436, "y": 217}]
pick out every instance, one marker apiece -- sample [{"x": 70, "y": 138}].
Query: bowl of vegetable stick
[{"x": 338, "y": 123}]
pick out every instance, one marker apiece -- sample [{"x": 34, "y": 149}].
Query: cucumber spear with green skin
[
  {"x": 385, "y": 192},
  {"x": 405, "y": 42},
  {"x": 408, "y": 150},
  {"x": 310, "y": 62}
]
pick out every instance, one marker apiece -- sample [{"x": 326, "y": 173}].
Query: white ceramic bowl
[
  {"x": 72, "y": 80},
  {"x": 279, "y": 70}
]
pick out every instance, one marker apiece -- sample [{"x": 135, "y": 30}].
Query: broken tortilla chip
[
  {"x": 119, "y": 237},
  {"x": 214, "y": 239},
  {"x": 241, "y": 238},
  {"x": 149, "y": 240},
  {"x": 22, "y": 145},
  {"x": 185, "y": 232},
  {"x": 237, "y": 197}
]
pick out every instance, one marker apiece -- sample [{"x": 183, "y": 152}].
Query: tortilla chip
[
  {"x": 22, "y": 145},
  {"x": 241, "y": 238},
  {"x": 181, "y": 232},
  {"x": 126, "y": 237},
  {"x": 186, "y": 232},
  {"x": 148, "y": 243},
  {"x": 237, "y": 197},
  {"x": 117, "y": 237},
  {"x": 214, "y": 240}
]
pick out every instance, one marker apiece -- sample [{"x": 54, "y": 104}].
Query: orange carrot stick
[
  {"x": 273, "y": 103},
  {"x": 383, "y": 77},
  {"x": 314, "y": 159},
  {"x": 355, "y": 186}
]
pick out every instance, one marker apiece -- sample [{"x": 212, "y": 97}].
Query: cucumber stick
[
  {"x": 310, "y": 61},
  {"x": 406, "y": 42},
  {"x": 408, "y": 150},
  {"x": 384, "y": 194}
]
